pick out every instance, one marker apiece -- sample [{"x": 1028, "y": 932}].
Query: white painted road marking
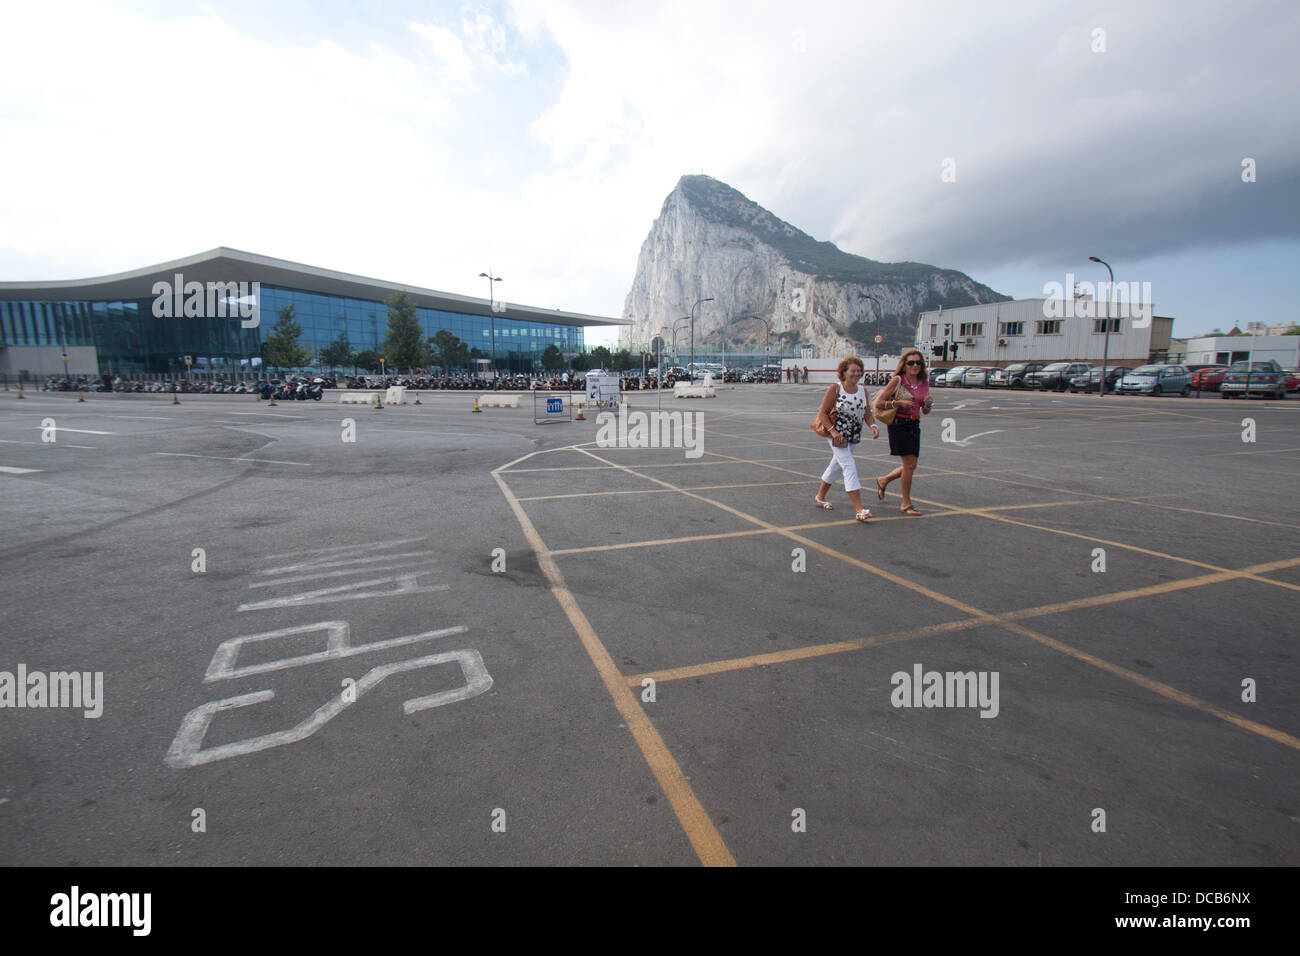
[
  {"x": 335, "y": 574},
  {"x": 969, "y": 438},
  {"x": 347, "y": 547},
  {"x": 405, "y": 585},
  {"x": 15, "y": 441},
  {"x": 337, "y": 636},
  {"x": 186, "y": 749},
  {"x": 11, "y": 470},
  {"x": 342, "y": 562},
  {"x": 80, "y": 431},
  {"x": 265, "y": 461}
]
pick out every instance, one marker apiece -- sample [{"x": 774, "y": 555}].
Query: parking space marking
[
  {"x": 699, "y": 829},
  {"x": 12, "y": 470},
  {"x": 982, "y": 617},
  {"x": 1131, "y": 547},
  {"x": 948, "y": 627},
  {"x": 777, "y": 529}
]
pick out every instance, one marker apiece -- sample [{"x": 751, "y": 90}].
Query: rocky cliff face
[{"x": 711, "y": 241}]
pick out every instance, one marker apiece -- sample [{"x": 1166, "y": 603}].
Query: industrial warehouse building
[
  {"x": 1047, "y": 330},
  {"x": 216, "y": 307}
]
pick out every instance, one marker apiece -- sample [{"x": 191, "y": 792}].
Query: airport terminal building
[{"x": 217, "y": 307}]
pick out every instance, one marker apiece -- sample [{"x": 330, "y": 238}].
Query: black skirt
[{"x": 905, "y": 437}]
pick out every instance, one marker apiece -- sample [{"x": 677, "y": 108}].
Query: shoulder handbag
[
  {"x": 883, "y": 415},
  {"x": 819, "y": 425}
]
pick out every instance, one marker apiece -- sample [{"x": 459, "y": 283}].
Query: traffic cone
[
  {"x": 578, "y": 417},
  {"x": 20, "y": 390},
  {"x": 476, "y": 408},
  {"x": 81, "y": 396},
  {"x": 176, "y": 398},
  {"x": 379, "y": 400},
  {"x": 270, "y": 399},
  {"x": 417, "y": 399}
]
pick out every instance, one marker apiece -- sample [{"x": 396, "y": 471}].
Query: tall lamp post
[
  {"x": 492, "y": 317},
  {"x": 691, "y": 371},
  {"x": 880, "y": 314},
  {"x": 1105, "y": 352}
]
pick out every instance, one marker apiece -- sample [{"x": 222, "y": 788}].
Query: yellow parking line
[
  {"x": 948, "y": 627},
  {"x": 980, "y": 616},
  {"x": 699, "y": 829}
]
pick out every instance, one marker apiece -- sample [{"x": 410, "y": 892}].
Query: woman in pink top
[{"x": 908, "y": 392}]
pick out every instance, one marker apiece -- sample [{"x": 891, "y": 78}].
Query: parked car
[
  {"x": 937, "y": 376},
  {"x": 953, "y": 378},
  {"x": 1013, "y": 376},
  {"x": 1254, "y": 378},
  {"x": 1156, "y": 380},
  {"x": 1208, "y": 377},
  {"x": 1089, "y": 382},
  {"x": 1293, "y": 379},
  {"x": 975, "y": 377},
  {"x": 1056, "y": 377}
]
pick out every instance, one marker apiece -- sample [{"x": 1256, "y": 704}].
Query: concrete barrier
[
  {"x": 498, "y": 401},
  {"x": 687, "y": 390},
  {"x": 354, "y": 397},
  {"x": 396, "y": 395}
]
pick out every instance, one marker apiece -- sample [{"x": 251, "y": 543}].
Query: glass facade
[{"x": 129, "y": 339}]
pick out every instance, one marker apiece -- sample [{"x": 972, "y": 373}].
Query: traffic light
[
  {"x": 954, "y": 351},
  {"x": 940, "y": 350}
]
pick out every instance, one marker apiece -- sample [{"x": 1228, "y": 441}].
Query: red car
[
  {"x": 1208, "y": 379},
  {"x": 1293, "y": 380}
]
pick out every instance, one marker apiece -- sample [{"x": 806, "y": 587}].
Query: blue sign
[{"x": 555, "y": 406}]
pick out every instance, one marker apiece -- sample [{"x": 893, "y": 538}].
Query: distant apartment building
[{"x": 1047, "y": 330}]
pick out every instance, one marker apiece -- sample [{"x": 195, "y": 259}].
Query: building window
[
  {"x": 1099, "y": 325},
  {"x": 933, "y": 328},
  {"x": 1049, "y": 326},
  {"x": 1012, "y": 328},
  {"x": 971, "y": 329}
]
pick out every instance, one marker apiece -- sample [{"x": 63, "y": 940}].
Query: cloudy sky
[{"x": 424, "y": 142}]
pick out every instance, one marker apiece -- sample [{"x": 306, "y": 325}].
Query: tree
[
  {"x": 280, "y": 349},
  {"x": 404, "y": 344},
  {"x": 552, "y": 358},
  {"x": 623, "y": 360},
  {"x": 581, "y": 362},
  {"x": 600, "y": 357},
  {"x": 338, "y": 353},
  {"x": 447, "y": 350},
  {"x": 367, "y": 361}
]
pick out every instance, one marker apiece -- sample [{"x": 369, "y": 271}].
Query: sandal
[
  {"x": 823, "y": 504},
  {"x": 880, "y": 490},
  {"x": 862, "y": 515},
  {"x": 912, "y": 512}
]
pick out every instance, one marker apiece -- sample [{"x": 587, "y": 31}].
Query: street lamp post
[
  {"x": 1105, "y": 352},
  {"x": 492, "y": 316},
  {"x": 691, "y": 371},
  {"x": 880, "y": 314}
]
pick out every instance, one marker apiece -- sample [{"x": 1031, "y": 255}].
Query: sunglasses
[{"x": 914, "y": 363}]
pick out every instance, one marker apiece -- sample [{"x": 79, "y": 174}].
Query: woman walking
[
  {"x": 908, "y": 392},
  {"x": 846, "y": 409}
]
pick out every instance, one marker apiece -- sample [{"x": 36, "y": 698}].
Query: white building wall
[
  {"x": 1076, "y": 342},
  {"x": 1217, "y": 349}
]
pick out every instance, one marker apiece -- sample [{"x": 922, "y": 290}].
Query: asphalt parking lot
[{"x": 418, "y": 635}]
